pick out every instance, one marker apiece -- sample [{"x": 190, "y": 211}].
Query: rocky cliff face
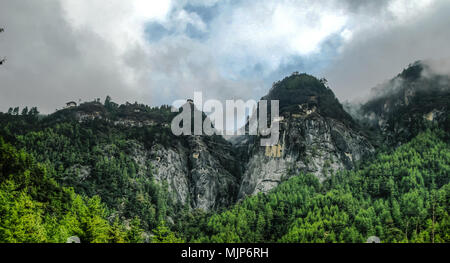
[
  {"x": 199, "y": 170},
  {"x": 201, "y": 173},
  {"x": 119, "y": 151},
  {"x": 316, "y": 136},
  {"x": 312, "y": 144},
  {"x": 311, "y": 141},
  {"x": 412, "y": 101}
]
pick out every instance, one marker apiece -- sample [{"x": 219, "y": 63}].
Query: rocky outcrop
[
  {"x": 171, "y": 165},
  {"x": 213, "y": 184},
  {"x": 199, "y": 174},
  {"x": 208, "y": 172},
  {"x": 316, "y": 136},
  {"x": 308, "y": 144},
  {"x": 199, "y": 171}
]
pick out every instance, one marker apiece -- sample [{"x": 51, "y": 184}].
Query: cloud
[
  {"x": 379, "y": 54},
  {"x": 269, "y": 32},
  {"x": 52, "y": 60},
  {"x": 158, "y": 51},
  {"x": 439, "y": 66}
]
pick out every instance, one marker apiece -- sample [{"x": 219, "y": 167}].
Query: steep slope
[
  {"x": 128, "y": 156},
  {"x": 409, "y": 103},
  {"x": 202, "y": 170},
  {"x": 316, "y": 136},
  {"x": 399, "y": 196}
]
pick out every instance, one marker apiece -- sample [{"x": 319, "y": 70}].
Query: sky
[{"x": 159, "y": 51}]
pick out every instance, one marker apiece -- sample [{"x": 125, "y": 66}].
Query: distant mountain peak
[{"x": 408, "y": 103}]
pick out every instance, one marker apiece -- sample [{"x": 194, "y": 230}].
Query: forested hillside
[
  {"x": 217, "y": 124},
  {"x": 401, "y": 196},
  {"x": 97, "y": 158},
  {"x": 115, "y": 173},
  {"x": 34, "y": 208},
  {"x": 119, "y": 154}
]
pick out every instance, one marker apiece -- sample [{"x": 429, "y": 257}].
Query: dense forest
[
  {"x": 306, "y": 169},
  {"x": 34, "y": 208},
  {"x": 88, "y": 171},
  {"x": 401, "y": 195}
]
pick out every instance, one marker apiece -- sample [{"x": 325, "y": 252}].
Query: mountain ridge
[{"x": 128, "y": 156}]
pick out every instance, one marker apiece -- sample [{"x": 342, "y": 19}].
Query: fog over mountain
[{"x": 156, "y": 52}]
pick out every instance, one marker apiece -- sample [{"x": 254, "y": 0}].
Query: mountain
[
  {"x": 113, "y": 150},
  {"x": 398, "y": 196},
  {"x": 332, "y": 177},
  {"x": 415, "y": 99},
  {"x": 316, "y": 136},
  {"x": 128, "y": 156}
]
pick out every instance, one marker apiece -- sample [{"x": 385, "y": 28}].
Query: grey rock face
[
  {"x": 316, "y": 136},
  {"x": 309, "y": 144},
  {"x": 171, "y": 165},
  {"x": 208, "y": 172},
  {"x": 197, "y": 175},
  {"x": 198, "y": 170},
  {"x": 213, "y": 185}
]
